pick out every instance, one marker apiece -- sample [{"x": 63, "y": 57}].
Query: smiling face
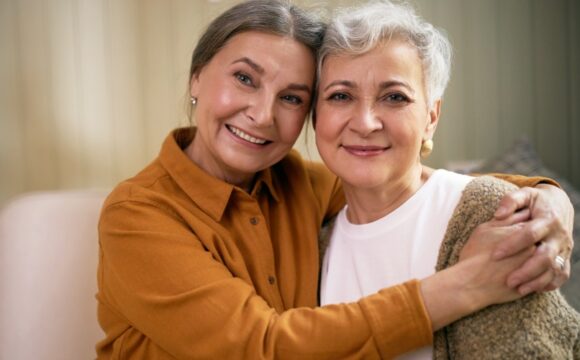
[
  {"x": 372, "y": 116},
  {"x": 253, "y": 97}
]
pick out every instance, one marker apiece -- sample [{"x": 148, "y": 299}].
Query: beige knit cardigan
[{"x": 538, "y": 326}]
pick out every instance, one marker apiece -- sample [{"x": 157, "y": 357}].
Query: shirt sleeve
[
  {"x": 178, "y": 300},
  {"x": 328, "y": 187},
  {"x": 522, "y": 181}
]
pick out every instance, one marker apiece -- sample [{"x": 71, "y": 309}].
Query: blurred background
[{"x": 89, "y": 88}]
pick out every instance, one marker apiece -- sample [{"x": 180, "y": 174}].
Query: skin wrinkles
[
  {"x": 253, "y": 97},
  {"x": 372, "y": 117}
]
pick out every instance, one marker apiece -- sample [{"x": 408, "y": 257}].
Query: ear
[
  {"x": 434, "y": 113},
  {"x": 194, "y": 86}
]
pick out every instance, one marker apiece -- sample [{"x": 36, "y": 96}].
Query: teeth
[{"x": 239, "y": 133}]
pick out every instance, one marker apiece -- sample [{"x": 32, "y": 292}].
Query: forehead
[
  {"x": 393, "y": 58},
  {"x": 268, "y": 49}
]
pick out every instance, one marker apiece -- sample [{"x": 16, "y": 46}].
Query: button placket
[{"x": 263, "y": 242}]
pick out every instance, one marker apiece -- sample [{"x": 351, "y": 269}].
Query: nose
[
  {"x": 365, "y": 121},
  {"x": 261, "y": 109}
]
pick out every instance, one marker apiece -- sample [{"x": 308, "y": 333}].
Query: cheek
[
  {"x": 324, "y": 120},
  {"x": 225, "y": 100},
  {"x": 290, "y": 126},
  {"x": 404, "y": 131}
]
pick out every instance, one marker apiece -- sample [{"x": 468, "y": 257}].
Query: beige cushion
[{"x": 48, "y": 262}]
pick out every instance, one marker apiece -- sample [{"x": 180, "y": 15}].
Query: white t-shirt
[{"x": 362, "y": 259}]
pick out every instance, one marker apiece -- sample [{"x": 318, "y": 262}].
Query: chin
[{"x": 361, "y": 181}]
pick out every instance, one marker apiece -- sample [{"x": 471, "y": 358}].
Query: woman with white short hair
[{"x": 382, "y": 74}]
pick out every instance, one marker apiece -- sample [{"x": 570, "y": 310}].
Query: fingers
[
  {"x": 486, "y": 279},
  {"x": 562, "y": 275},
  {"x": 486, "y": 236},
  {"x": 517, "y": 261},
  {"x": 537, "y": 272},
  {"x": 524, "y": 235},
  {"x": 513, "y": 218},
  {"x": 515, "y": 200},
  {"x": 559, "y": 274}
]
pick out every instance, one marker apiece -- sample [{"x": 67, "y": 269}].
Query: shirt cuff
[
  {"x": 398, "y": 319},
  {"x": 521, "y": 180}
]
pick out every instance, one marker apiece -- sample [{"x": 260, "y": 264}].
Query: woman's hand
[
  {"x": 549, "y": 228},
  {"x": 477, "y": 280}
]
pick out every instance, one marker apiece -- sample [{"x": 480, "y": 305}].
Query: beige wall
[{"x": 89, "y": 88}]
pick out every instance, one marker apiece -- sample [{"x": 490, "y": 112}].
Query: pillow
[{"x": 523, "y": 159}]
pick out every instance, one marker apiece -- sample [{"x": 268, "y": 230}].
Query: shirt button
[
  {"x": 271, "y": 280},
  {"x": 253, "y": 220}
]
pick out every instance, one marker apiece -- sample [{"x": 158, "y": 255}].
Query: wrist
[{"x": 448, "y": 296}]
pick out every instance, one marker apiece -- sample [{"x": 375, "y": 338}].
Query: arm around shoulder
[{"x": 162, "y": 292}]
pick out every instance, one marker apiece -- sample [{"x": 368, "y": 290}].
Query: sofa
[{"x": 48, "y": 262}]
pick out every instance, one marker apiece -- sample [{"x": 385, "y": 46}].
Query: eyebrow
[
  {"x": 299, "y": 87},
  {"x": 390, "y": 83},
  {"x": 340, "y": 82},
  {"x": 383, "y": 85},
  {"x": 251, "y": 63}
]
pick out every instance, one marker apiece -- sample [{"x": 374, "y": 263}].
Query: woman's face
[
  {"x": 372, "y": 115},
  {"x": 252, "y": 99}
]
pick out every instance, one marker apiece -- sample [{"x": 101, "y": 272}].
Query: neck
[
  {"x": 366, "y": 205},
  {"x": 194, "y": 151}
]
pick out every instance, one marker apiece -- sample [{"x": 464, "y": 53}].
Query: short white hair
[{"x": 360, "y": 29}]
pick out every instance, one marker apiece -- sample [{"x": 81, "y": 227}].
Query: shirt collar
[
  {"x": 209, "y": 193},
  {"x": 265, "y": 177}
]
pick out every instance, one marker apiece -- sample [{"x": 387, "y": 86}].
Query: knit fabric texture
[{"x": 538, "y": 326}]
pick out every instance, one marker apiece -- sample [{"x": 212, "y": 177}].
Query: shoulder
[
  {"x": 310, "y": 180},
  {"x": 150, "y": 195},
  {"x": 141, "y": 186},
  {"x": 478, "y": 202},
  {"x": 484, "y": 191}
]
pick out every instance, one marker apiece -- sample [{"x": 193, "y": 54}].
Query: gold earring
[
  {"x": 426, "y": 148},
  {"x": 193, "y": 100}
]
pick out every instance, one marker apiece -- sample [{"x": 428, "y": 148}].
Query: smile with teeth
[{"x": 242, "y": 135}]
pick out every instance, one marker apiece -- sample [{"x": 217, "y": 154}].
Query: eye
[
  {"x": 397, "y": 98},
  {"x": 293, "y": 99},
  {"x": 244, "y": 79},
  {"x": 338, "y": 96}
]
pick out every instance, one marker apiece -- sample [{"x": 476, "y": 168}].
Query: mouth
[
  {"x": 245, "y": 136},
  {"x": 365, "y": 150}
]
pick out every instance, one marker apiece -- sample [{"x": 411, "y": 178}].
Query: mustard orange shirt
[{"x": 192, "y": 267}]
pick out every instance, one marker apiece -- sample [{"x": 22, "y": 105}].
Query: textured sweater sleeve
[{"x": 538, "y": 326}]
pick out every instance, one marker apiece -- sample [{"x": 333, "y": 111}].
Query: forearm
[
  {"x": 445, "y": 298},
  {"x": 226, "y": 320},
  {"x": 162, "y": 286}
]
